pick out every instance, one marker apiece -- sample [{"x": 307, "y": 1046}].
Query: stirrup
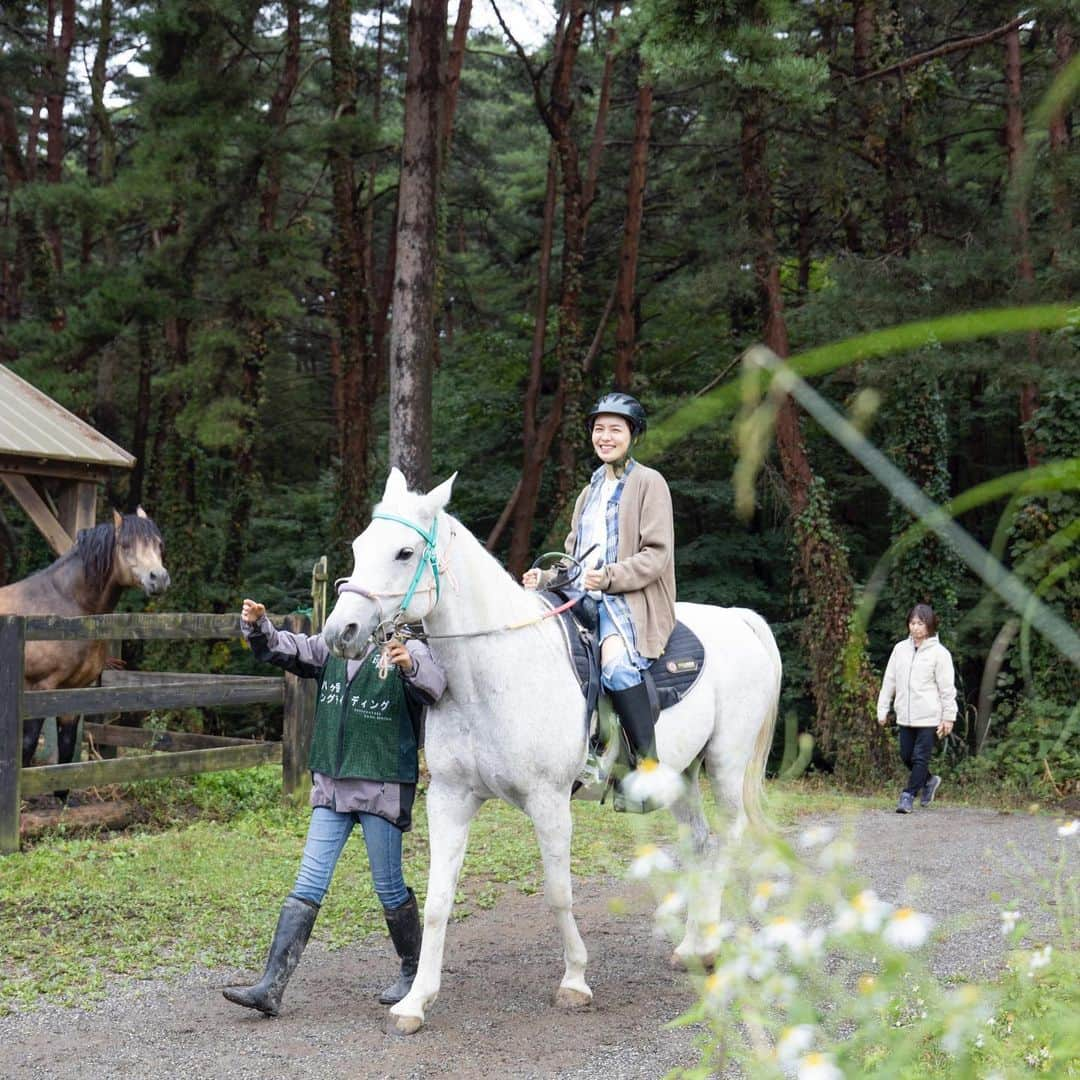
[{"x": 592, "y": 772}]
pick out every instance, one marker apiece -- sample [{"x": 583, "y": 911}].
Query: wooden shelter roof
[{"x": 34, "y": 428}]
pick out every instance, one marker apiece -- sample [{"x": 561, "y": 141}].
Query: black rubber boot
[
  {"x": 293, "y": 930},
  {"x": 638, "y": 711},
  {"x": 404, "y": 926}
]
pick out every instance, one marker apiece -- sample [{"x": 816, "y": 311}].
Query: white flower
[
  {"x": 755, "y": 960},
  {"x": 782, "y": 931},
  {"x": 713, "y": 934},
  {"x": 793, "y": 1043},
  {"x": 650, "y": 860},
  {"x": 907, "y": 928},
  {"x": 838, "y": 853},
  {"x": 769, "y": 864},
  {"x": 764, "y": 892},
  {"x": 809, "y": 947},
  {"x": 779, "y": 989},
  {"x": 1009, "y": 919},
  {"x": 673, "y": 904},
  {"x": 653, "y": 782},
  {"x": 816, "y": 836},
  {"x": 818, "y": 1067},
  {"x": 1040, "y": 958},
  {"x": 719, "y": 986},
  {"x": 1069, "y": 829},
  {"x": 865, "y": 912}
]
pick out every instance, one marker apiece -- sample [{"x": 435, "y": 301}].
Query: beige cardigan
[
  {"x": 645, "y": 571},
  {"x": 919, "y": 683}
]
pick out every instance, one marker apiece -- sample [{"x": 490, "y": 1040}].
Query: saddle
[{"x": 673, "y": 674}]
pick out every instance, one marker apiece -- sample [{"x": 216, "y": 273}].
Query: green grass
[
  {"x": 180, "y": 893},
  {"x": 202, "y": 882}
]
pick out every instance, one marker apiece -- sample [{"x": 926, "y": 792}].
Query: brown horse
[{"x": 86, "y": 580}]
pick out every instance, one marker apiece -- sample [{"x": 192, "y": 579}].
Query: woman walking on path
[
  {"x": 364, "y": 770},
  {"x": 919, "y": 683}
]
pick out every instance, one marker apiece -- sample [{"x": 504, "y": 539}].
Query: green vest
[{"x": 363, "y": 728}]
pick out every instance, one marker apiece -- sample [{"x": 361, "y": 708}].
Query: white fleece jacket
[{"x": 921, "y": 681}]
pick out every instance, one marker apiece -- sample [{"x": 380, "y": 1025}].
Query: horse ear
[
  {"x": 440, "y": 496},
  {"x": 395, "y": 484},
  {"x": 117, "y": 520},
  {"x": 140, "y": 512}
]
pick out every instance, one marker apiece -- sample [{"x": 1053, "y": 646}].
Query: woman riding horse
[{"x": 624, "y": 515}]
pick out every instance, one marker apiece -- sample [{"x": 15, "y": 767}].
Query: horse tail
[{"x": 754, "y": 774}]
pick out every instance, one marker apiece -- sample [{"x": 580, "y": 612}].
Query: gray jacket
[{"x": 306, "y": 655}]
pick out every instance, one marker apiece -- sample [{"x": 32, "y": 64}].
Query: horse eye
[{"x": 403, "y": 554}]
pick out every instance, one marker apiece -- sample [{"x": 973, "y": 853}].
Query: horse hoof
[
  {"x": 566, "y": 998},
  {"x": 692, "y": 963},
  {"x": 407, "y": 1025}
]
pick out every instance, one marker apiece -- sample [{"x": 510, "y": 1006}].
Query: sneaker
[
  {"x": 906, "y": 803},
  {"x": 929, "y": 790}
]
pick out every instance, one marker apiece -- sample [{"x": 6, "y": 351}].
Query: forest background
[{"x": 271, "y": 249}]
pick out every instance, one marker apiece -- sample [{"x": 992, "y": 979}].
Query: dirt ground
[{"x": 495, "y": 1017}]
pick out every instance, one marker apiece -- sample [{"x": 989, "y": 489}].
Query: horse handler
[{"x": 364, "y": 770}]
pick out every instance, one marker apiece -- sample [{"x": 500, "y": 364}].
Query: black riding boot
[
  {"x": 638, "y": 710},
  {"x": 404, "y": 926},
  {"x": 293, "y": 930}
]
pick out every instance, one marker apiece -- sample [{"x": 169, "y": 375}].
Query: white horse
[{"x": 510, "y": 724}]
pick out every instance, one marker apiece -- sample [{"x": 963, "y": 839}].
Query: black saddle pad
[{"x": 679, "y": 666}]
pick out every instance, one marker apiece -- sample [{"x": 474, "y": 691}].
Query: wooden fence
[{"x": 137, "y": 691}]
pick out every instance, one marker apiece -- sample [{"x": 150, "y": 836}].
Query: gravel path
[{"x": 494, "y": 1017}]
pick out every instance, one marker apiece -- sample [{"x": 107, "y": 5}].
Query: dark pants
[{"x": 916, "y": 746}]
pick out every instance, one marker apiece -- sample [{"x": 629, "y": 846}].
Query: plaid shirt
[{"x": 615, "y": 604}]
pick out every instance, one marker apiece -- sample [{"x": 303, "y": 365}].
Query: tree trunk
[
  {"x": 101, "y": 168},
  {"x": 253, "y": 360},
  {"x": 350, "y": 306},
  {"x": 565, "y": 413},
  {"x": 1064, "y": 49},
  {"x": 1014, "y": 144},
  {"x": 626, "y": 325},
  {"x": 139, "y": 442},
  {"x": 844, "y": 695},
  {"x": 536, "y": 435},
  {"x": 31, "y": 265},
  {"x": 454, "y": 65},
  {"x": 56, "y": 72},
  {"x": 596, "y": 151},
  {"x": 568, "y": 348},
  {"x": 412, "y": 331}
]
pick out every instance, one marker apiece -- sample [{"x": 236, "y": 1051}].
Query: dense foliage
[{"x": 173, "y": 269}]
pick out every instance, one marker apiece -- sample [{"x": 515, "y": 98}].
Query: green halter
[{"x": 429, "y": 556}]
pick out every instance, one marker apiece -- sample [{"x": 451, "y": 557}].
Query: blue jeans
[
  {"x": 617, "y": 670},
  {"x": 326, "y": 838},
  {"x": 916, "y": 746}
]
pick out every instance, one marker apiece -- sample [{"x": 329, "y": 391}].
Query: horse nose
[
  {"x": 348, "y": 635},
  {"x": 159, "y": 580}
]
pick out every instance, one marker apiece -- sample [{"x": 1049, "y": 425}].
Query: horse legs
[
  {"x": 450, "y": 811},
  {"x": 704, "y": 908},
  {"x": 550, "y": 814},
  {"x": 67, "y": 737},
  {"x": 31, "y": 732}
]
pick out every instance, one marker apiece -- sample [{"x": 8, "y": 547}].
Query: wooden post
[
  {"x": 12, "y": 645},
  {"x": 299, "y": 720},
  {"x": 318, "y": 595}
]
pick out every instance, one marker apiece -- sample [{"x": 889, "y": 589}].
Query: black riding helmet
[{"x": 619, "y": 404}]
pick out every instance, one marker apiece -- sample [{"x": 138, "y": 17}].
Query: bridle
[
  {"x": 429, "y": 558},
  {"x": 395, "y": 625}
]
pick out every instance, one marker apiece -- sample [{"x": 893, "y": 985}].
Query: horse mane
[{"x": 96, "y": 546}]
